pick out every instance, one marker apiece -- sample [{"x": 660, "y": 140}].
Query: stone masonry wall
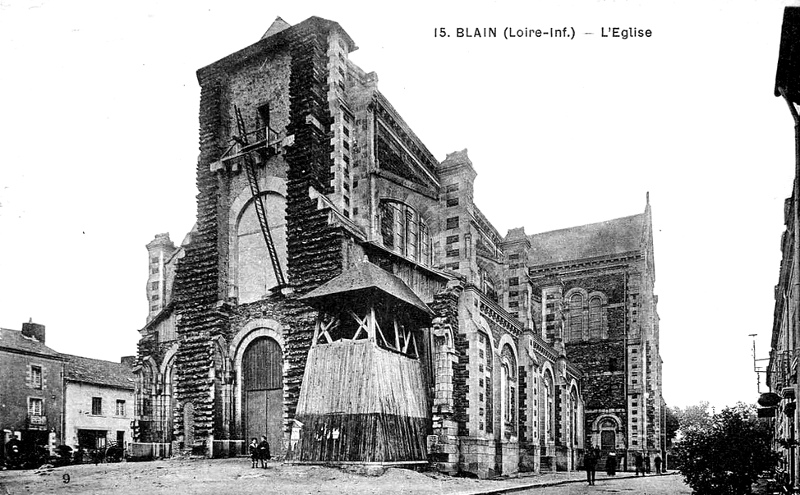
[
  {"x": 602, "y": 362},
  {"x": 197, "y": 280},
  {"x": 315, "y": 248},
  {"x": 297, "y": 320},
  {"x": 450, "y": 400}
]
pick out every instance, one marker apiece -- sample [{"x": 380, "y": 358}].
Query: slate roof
[
  {"x": 611, "y": 237},
  {"x": 99, "y": 372},
  {"x": 14, "y": 340},
  {"x": 366, "y": 277}
]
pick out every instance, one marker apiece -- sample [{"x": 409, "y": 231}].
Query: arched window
[
  {"x": 489, "y": 353},
  {"x": 509, "y": 389},
  {"x": 146, "y": 390},
  {"x": 548, "y": 418},
  {"x": 254, "y": 273},
  {"x": 573, "y": 417},
  {"x": 404, "y": 232},
  {"x": 595, "y": 317},
  {"x": 172, "y": 402},
  {"x": 576, "y": 317}
]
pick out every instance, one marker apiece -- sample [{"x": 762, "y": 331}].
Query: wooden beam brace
[
  {"x": 407, "y": 336},
  {"x": 372, "y": 323},
  {"x": 322, "y": 328},
  {"x": 396, "y": 334},
  {"x": 380, "y": 332},
  {"x": 363, "y": 324}
]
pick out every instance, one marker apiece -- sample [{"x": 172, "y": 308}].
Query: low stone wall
[
  {"x": 508, "y": 458},
  {"x": 478, "y": 457},
  {"x": 228, "y": 448},
  {"x": 148, "y": 451},
  {"x": 529, "y": 458}
]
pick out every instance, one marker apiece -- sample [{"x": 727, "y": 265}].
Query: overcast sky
[{"x": 98, "y": 133}]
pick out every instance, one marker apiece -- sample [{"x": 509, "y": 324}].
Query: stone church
[{"x": 342, "y": 294}]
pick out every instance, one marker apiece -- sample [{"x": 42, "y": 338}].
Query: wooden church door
[{"x": 262, "y": 367}]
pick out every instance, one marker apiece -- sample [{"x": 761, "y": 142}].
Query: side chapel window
[
  {"x": 509, "y": 388},
  {"x": 595, "y": 318},
  {"x": 576, "y": 317}
]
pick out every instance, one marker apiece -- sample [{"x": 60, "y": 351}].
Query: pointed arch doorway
[{"x": 262, "y": 391}]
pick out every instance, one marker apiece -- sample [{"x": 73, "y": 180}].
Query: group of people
[
  {"x": 259, "y": 451},
  {"x": 592, "y": 456},
  {"x": 643, "y": 464}
]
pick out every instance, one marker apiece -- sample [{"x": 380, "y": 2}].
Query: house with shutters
[
  {"x": 31, "y": 388},
  {"x": 98, "y": 399}
]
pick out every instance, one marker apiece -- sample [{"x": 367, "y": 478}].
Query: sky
[{"x": 99, "y": 137}]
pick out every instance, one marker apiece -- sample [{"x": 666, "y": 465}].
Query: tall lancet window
[
  {"x": 595, "y": 317},
  {"x": 576, "y": 317}
]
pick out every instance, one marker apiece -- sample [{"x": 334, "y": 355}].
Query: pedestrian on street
[
  {"x": 590, "y": 463},
  {"x": 639, "y": 461},
  {"x": 254, "y": 452},
  {"x": 657, "y": 462},
  {"x": 646, "y": 464},
  {"x": 611, "y": 463},
  {"x": 263, "y": 451}
]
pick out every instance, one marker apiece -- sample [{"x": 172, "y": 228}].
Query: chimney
[
  {"x": 33, "y": 330},
  {"x": 128, "y": 360}
]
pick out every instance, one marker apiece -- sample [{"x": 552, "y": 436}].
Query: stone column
[{"x": 443, "y": 444}]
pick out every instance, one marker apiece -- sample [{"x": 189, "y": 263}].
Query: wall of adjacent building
[
  {"x": 16, "y": 388},
  {"x": 782, "y": 370},
  {"x": 78, "y": 411}
]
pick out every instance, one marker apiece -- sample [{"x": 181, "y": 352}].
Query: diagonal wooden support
[
  {"x": 322, "y": 328},
  {"x": 363, "y": 324}
]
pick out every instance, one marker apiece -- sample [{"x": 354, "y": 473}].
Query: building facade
[
  {"x": 781, "y": 398},
  {"x": 48, "y": 398},
  {"x": 592, "y": 288},
  {"x": 342, "y": 293},
  {"x": 98, "y": 398},
  {"x": 31, "y": 388}
]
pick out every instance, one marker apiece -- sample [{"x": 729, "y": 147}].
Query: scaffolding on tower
[{"x": 266, "y": 142}]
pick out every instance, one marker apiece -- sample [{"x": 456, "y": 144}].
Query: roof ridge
[
  {"x": 84, "y": 357},
  {"x": 588, "y": 241},
  {"x": 587, "y": 224}
]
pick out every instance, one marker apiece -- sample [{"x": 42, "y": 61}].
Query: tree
[
  {"x": 672, "y": 424},
  {"x": 726, "y": 454},
  {"x": 693, "y": 417}
]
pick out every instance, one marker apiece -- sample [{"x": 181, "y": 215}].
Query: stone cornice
[
  {"x": 496, "y": 314},
  {"x": 388, "y": 116},
  {"x": 582, "y": 264}
]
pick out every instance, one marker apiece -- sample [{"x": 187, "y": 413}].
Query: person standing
[
  {"x": 254, "y": 452},
  {"x": 263, "y": 451},
  {"x": 611, "y": 463},
  {"x": 590, "y": 463},
  {"x": 639, "y": 461},
  {"x": 657, "y": 461}
]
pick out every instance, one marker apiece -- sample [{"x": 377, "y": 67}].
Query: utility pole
[{"x": 756, "y": 369}]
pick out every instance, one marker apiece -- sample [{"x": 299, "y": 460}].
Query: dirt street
[
  {"x": 235, "y": 476},
  {"x": 649, "y": 485}
]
